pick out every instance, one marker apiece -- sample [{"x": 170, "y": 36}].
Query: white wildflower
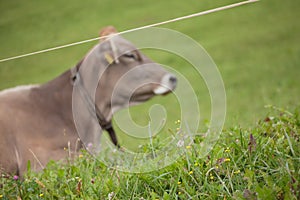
[
  {"x": 180, "y": 143},
  {"x": 111, "y": 195}
]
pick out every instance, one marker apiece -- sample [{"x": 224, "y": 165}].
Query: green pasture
[
  {"x": 256, "y": 49},
  {"x": 255, "y": 46}
]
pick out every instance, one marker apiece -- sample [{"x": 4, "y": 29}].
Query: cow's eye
[{"x": 131, "y": 56}]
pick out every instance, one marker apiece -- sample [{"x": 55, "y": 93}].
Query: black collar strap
[{"x": 105, "y": 125}]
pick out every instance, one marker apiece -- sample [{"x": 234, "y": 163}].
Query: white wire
[{"x": 134, "y": 29}]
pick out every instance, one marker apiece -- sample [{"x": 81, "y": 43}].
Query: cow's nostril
[{"x": 173, "y": 79}]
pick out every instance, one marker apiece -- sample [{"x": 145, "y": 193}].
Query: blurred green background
[{"x": 255, "y": 46}]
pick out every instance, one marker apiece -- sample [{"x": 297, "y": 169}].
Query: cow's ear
[{"x": 106, "y": 31}]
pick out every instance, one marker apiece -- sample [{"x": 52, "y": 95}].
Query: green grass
[
  {"x": 256, "y": 48},
  {"x": 262, "y": 162}
]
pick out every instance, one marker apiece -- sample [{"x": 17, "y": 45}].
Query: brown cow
[{"x": 37, "y": 121}]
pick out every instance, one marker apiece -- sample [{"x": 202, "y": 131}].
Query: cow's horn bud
[{"x": 107, "y": 31}]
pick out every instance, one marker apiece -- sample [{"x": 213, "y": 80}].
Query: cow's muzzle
[{"x": 168, "y": 84}]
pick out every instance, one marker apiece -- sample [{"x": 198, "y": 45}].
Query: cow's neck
[
  {"x": 102, "y": 108},
  {"x": 103, "y": 104}
]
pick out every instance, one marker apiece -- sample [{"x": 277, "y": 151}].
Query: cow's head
[{"x": 128, "y": 76}]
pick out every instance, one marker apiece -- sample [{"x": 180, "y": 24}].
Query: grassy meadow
[{"x": 256, "y": 48}]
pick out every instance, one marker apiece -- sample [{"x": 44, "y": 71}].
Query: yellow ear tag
[{"x": 108, "y": 58}]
